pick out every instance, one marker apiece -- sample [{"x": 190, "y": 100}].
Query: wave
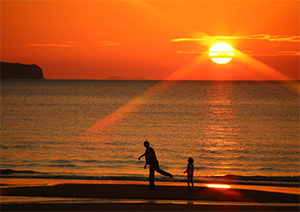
[
  {"x": 11, "y": 172},
  {"x": 3, "y": 146},
  {"x": 286, "y": 181}
]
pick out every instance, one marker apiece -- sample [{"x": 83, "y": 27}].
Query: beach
[{"x": 131, "y": 196}]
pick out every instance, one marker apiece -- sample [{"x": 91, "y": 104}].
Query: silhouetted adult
[{"x": 153, "y": 162}]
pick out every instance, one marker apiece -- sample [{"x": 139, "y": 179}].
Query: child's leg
[
  {"x": 192, "y": 181},
  {"x": 189, "y": 180}
]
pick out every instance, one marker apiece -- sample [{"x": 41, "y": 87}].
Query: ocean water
[{"x": 96, "y": 129}]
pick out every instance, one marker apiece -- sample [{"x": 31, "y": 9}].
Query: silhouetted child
[{"x": 190, "y": 172}]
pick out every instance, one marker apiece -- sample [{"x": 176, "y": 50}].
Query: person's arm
[
  {"x": 142, "y": 156},
  {"x": 186, "y": 169}
]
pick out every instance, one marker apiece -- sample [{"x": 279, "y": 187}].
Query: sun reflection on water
[
  {"x": 221, "y": 127},
  {"x": 218, "y": 186}
]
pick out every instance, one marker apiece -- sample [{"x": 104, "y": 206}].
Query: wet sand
[{"x": 136, "y": 197}]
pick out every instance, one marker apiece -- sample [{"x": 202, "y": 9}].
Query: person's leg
[
  {"x": 189, "y": 180},
  {"x": 151, "y": 176},
  {"x": 162, "y": 172},
  {"x": 192, "y": 181}
]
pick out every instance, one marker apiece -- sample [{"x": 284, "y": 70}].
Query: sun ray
[
  {"x": 165, "y": 17},
  {"x": 122, "y": 113},
  {"x": 259, "y": 69}
]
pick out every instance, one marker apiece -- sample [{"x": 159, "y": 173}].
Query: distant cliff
[{"x": 20, "y": 71}]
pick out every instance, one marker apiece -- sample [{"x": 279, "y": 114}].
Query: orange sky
[{"x": 152, "y": 39}]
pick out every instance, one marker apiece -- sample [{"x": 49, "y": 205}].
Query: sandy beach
[{"x": 138, "y": 197}]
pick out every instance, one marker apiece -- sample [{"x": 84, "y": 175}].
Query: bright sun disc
[{"x": 221, "y": 53}]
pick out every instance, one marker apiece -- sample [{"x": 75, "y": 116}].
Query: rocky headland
[{"x": 20, "y": 71}]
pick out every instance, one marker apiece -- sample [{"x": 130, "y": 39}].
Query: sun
[{"x": 221, "y": 53}]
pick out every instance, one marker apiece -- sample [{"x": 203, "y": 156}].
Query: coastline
[{"x": 68, "y": 195}]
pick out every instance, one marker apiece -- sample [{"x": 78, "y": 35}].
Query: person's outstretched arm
[{"x": 142, "y": 156}]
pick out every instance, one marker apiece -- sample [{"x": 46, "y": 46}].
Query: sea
[{"x": 246, "y": 131}]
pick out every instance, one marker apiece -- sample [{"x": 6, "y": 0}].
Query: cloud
[
  {"x": 274, "y": 53},
  {"x": 266, "y": 37},
  {"x": 74, "y": 44},
  {"x": 257, "y": 37},
  {"x": 272, "y": 38},
  {"x": 68, "y": 44},
  {"x": 109, "y": 43},
  {"x": 190, "y": 52},
  {"x": 251, "y": 53}
]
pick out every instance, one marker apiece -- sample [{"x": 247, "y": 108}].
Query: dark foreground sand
[
  {"x": 150, "y": 198},
  {"x": 140, "y": 207}
]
